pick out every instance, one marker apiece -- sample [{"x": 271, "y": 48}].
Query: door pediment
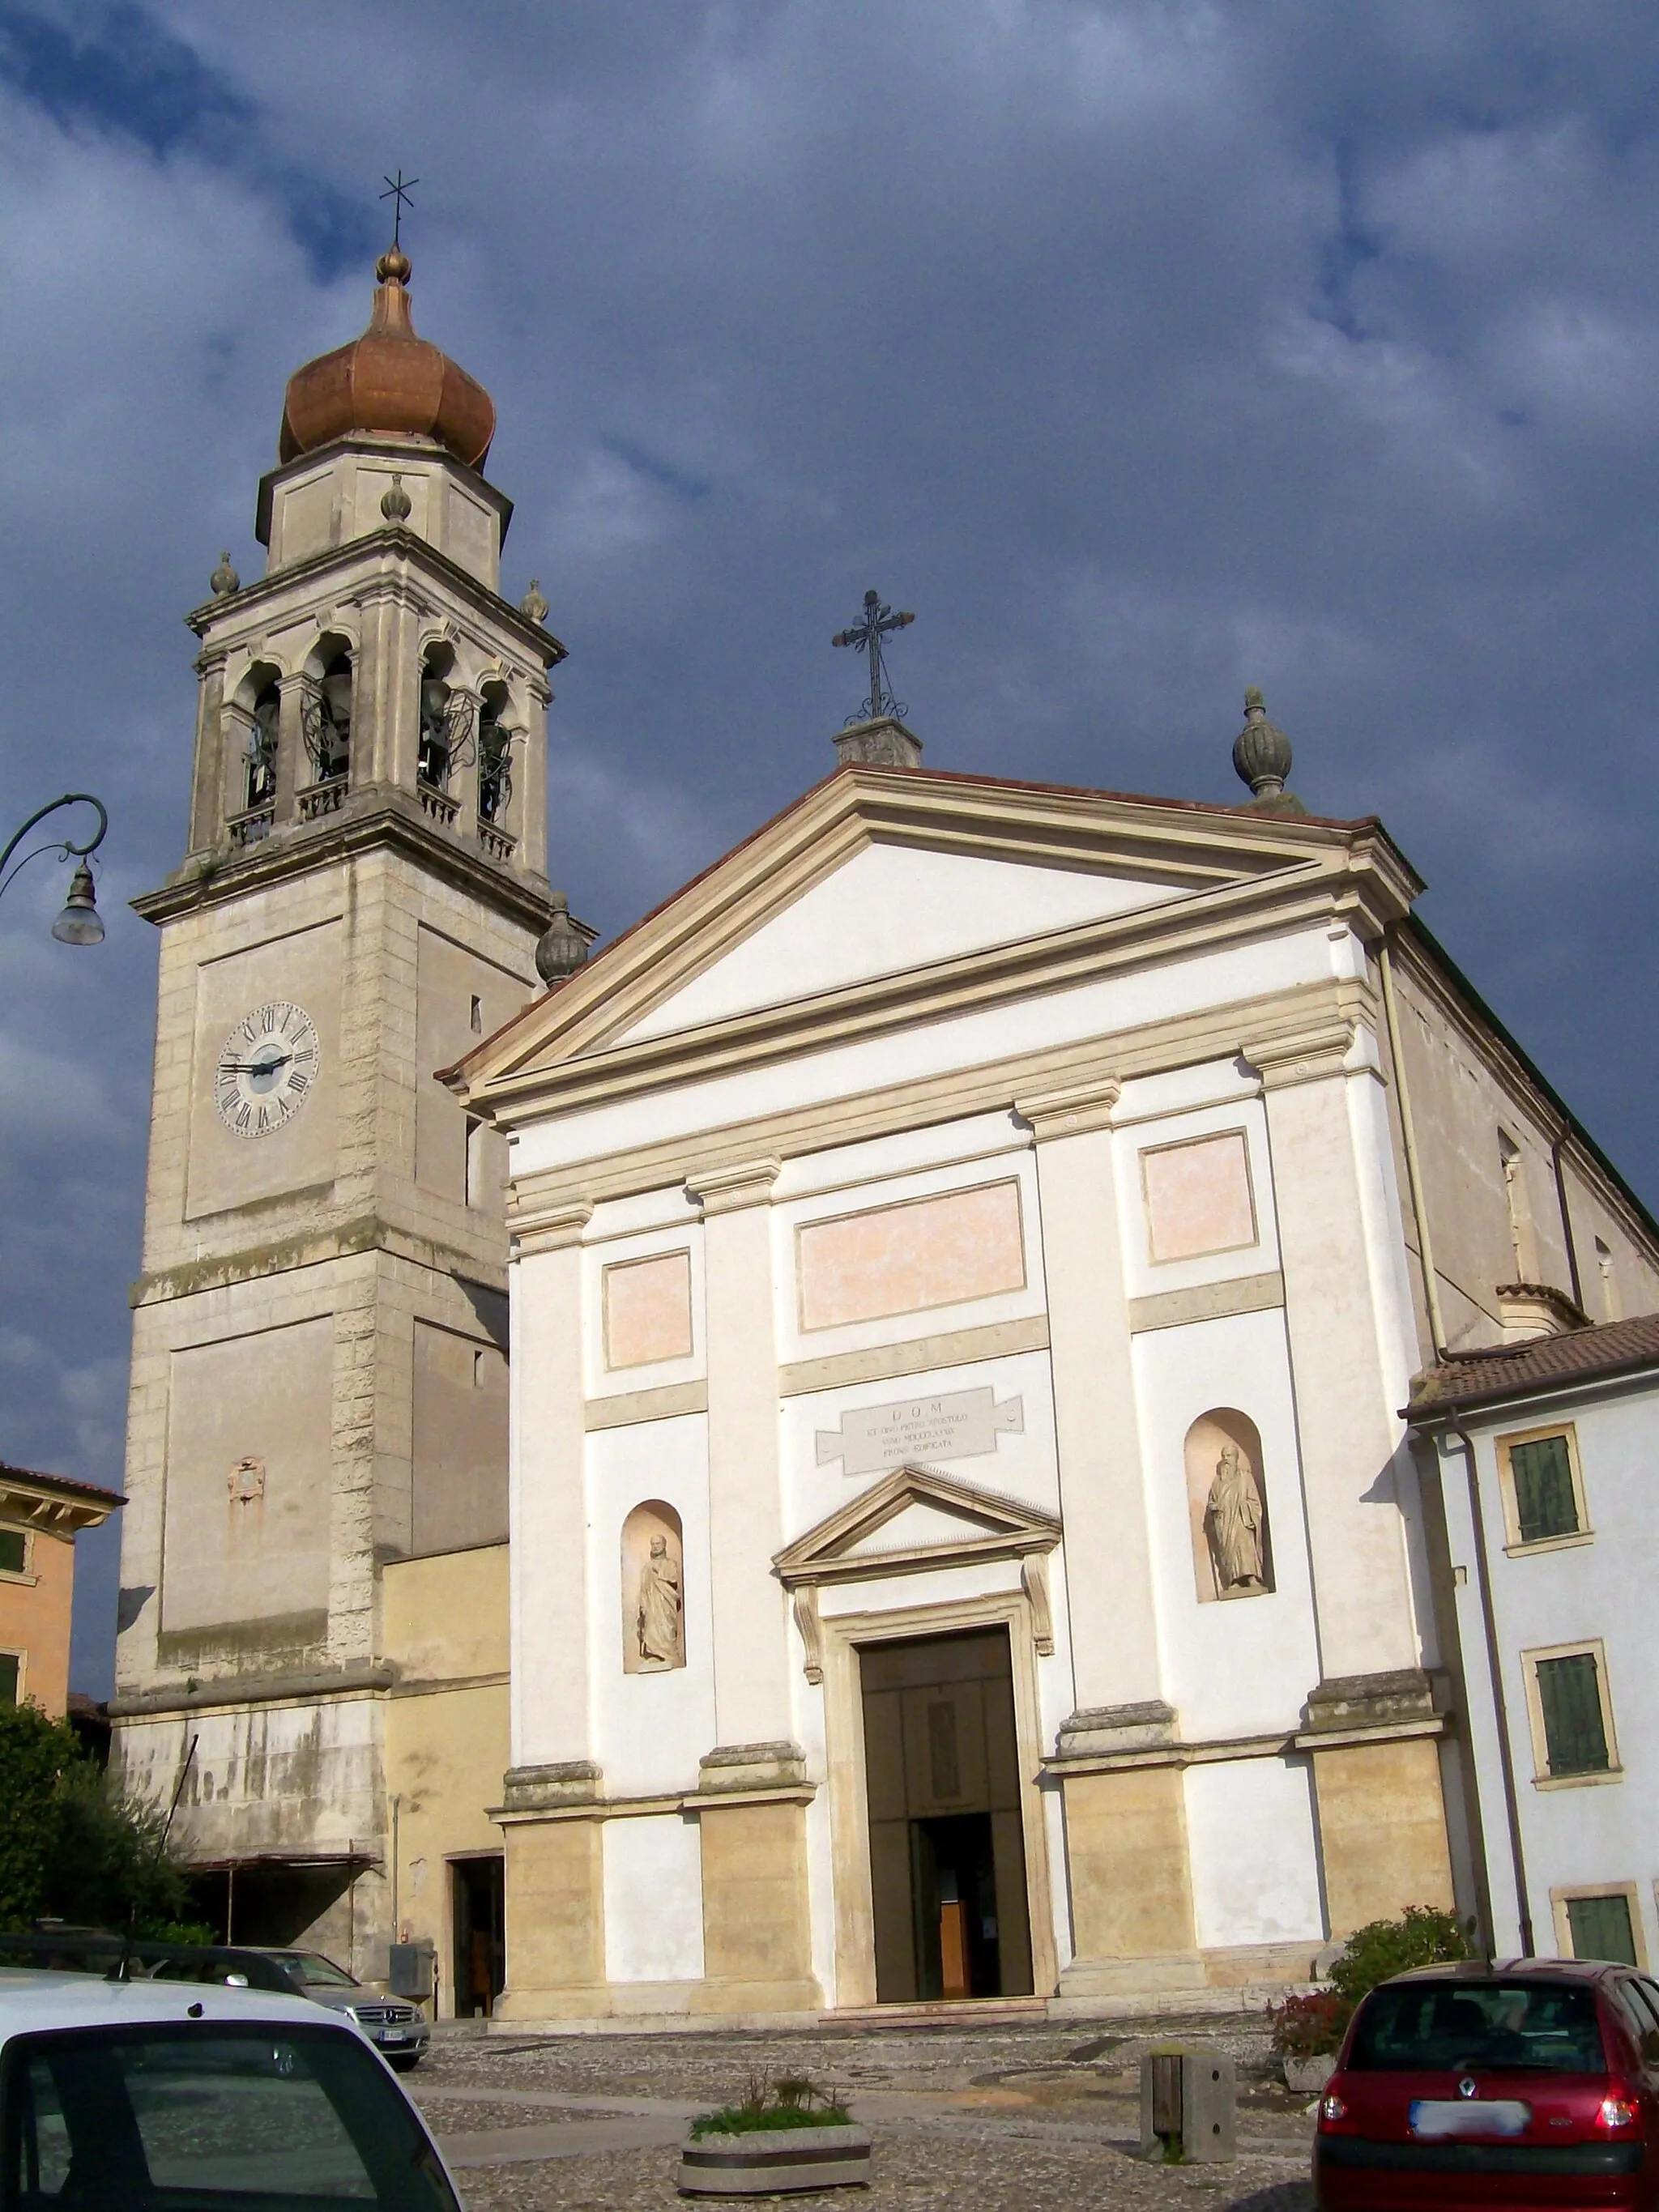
[{"x": 914, "y": 1519}]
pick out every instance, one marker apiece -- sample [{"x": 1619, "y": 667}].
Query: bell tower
[{"x": 319, "y": 1341}]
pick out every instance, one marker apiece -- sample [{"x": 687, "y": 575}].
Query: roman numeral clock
[{"x": 265, "y": 1069}]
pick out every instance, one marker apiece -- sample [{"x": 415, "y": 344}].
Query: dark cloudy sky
[{"x": 1147, "y": 349}]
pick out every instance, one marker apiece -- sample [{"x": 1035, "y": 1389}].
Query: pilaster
[
  {"x": 547, "y": 1495},
  {"x": 1113, "y": 1646},
  {"x": 751, "y": 1679},
  {"x": 293, "y": 768},
  {"x": 1347, "y": 1429},
  {"x": 205, "y": 814}
]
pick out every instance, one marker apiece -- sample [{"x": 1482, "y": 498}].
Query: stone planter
[
  {"x": 1307, "y": 2076},
  {"x": 773, "y": 2160}
]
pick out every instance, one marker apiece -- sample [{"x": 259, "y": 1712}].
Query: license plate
[
  {"x": 394, "y": 2035},
  {"x": 1469, "y": 2115}
]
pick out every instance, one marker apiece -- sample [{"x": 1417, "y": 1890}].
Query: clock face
[{"x": 266, "y": 1068}]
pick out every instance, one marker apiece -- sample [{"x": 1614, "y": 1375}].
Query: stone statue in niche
[
  {"x": 658, "y": 1622},
  {"x": 1235, "y": 1522},
  {"x": 654, "y": 1590}
]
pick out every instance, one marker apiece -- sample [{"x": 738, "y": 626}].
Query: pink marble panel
[
  {"x": 647, "y": 1309},
  {"x": 1198, "y": 1196},
  {"x": 901, "y": 1259}
]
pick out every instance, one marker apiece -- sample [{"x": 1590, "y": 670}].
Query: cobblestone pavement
[{"x": 1036, "y": 2117}]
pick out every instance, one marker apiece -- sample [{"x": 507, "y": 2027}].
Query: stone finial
[
  {"x": 884, "y": 743},
  {"x": 1261, "y": 756},
  {"x": 532, "y": 604},
  {"x": 224, "y": 580},
  {"x": 562, "y": 948},
  {"x": 395, "y": 502}
]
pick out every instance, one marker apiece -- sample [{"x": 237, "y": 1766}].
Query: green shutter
[
  {"x": 8, "y": 1663},
  {"x": 1544, "y": 1502},
  {"x": 1574, "y": 1735},
  {"x": 14, "y": 1550},
  {"x": 1601, "y": 1929}
]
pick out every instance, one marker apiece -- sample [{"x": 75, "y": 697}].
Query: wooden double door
[{"x": 947, "y": 1858}]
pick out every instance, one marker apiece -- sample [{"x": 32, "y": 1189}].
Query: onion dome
[{"x": 387, "y": 379}]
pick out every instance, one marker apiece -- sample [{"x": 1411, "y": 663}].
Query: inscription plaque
[{"x": 957, "y": 1425}]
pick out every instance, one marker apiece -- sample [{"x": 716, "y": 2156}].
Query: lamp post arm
[{"x": 69, "y": 798}]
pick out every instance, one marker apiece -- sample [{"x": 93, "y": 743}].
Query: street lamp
[{"x": 79, "y": 923}]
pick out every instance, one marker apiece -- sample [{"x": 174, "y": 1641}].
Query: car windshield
[
  {"x": 1435, "y": 2026},
  {"x": 217, "y": 2118},
  {"x": 313, "y": 1971}
]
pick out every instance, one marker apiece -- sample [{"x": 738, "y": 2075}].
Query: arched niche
[
  {"x": 256, "y": 715},
  {"x": 494, "y": 753},
  {"x": 327, "y": 709},
  {"x": 653, "y": 1589},
  {"x": 1227, "y": 1507}
]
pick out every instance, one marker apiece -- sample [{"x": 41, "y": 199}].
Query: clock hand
[{"x": 256, "y": 1066}]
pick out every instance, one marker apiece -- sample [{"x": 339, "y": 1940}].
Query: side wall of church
[{"x": 1487, "y": 1139}]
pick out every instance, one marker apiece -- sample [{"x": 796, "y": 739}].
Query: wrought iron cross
[
  {"x": 398, "y": 189},
  {"x": 879, "y": 622}
]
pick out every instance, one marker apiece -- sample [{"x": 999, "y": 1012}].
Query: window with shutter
[
  {"x": 1569, "y": 1699},
  {"x": 1601, "y": 1928},
  {"x": 14, "y": 1552},
  {"x": 1544, "y": 1502},
  {"x": 9, "y": 1668}
]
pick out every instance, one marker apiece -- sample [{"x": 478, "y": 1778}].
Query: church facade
[{"x": 970, "y": 1253}]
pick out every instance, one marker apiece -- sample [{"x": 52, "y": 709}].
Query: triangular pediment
[
  {"x": 915, "y": 1518},
  {"x": 892, "y": 906},
  {"x": 881, "y": 897}
]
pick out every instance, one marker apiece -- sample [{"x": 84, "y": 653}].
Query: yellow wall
[
  {"x": 446, "y": 1741},
  {"x": 34, "y": 1618}
]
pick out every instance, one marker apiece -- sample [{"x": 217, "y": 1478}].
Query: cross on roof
[
  {"x": 398, "y": 189},
  {"x": 879, "y": 622}
]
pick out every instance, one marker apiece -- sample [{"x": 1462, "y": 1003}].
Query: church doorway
[
  {"x": 480, "y": 1934},
  {"x": 947, "y": 1857}
]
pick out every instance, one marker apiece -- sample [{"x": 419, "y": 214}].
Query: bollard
[{"x": 1188, "y": 2106}]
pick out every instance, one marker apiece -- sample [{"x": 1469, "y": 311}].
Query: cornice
[
  {"x": 345, "y": 1240},
  {"x": 555, "y": 1228},
  {"x": 1220, "y": 857},
  {"x": 378, "y": 817},
  {"x": 969, "y": 983},
  {"x": 385, "y": 546},
  {"x": 719, "y": 1189},
  {"x": 1078, "y": 1110},
  {"x": 1154, "y": 1049},
  {"x": 39, "y": 1504},
  {"x": 1309, "y": 1055}
]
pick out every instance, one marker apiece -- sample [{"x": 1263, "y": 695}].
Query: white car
[{"x": 184, "y": 2097}]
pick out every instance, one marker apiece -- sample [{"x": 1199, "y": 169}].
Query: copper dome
[{"x": 387, "y": 379}]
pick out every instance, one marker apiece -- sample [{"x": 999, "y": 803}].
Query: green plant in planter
[
  {"x": 1310, "y": 2026},
  {"x": 787, "y": 2100},
  {"x": 1422, "y": 1936},
  {"x": 1313, "y": 2027}
]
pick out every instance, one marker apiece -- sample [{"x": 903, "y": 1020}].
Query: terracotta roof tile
[
  {"x": 65, "y": 1483},
  {"x": 1497, "y": 1371}
]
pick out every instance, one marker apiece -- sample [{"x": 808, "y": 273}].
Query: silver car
[
  {"x": 398, "y": 2030},
  {"x": 118, "y": 2094}
]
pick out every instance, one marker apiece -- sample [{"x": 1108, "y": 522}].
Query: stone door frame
[{"x": 842, "y": 1634}]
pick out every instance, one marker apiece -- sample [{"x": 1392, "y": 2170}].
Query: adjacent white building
[{"x": 1546, "y": 1454}]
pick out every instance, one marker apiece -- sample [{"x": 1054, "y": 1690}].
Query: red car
[{"x": 1530, "y": 2082}]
